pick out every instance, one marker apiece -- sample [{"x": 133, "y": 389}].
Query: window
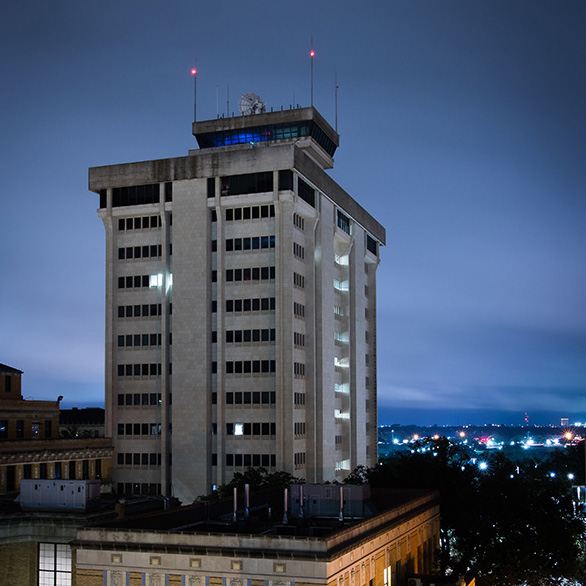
[
  {"x": 343, "y": 222},
  {"x": 248, "y": 183},
  {"x": 3, "y": 428},
  {"x": 306, "y": 192},
  {"x": 135, "y": 195},
  {"x": 285, "y": 180},
  {"x": 54, "y": 564}
]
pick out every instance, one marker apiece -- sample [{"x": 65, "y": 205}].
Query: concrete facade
[{"x": 240, "y": 310}]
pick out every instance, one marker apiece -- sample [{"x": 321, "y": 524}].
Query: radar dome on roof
[{"x": 250, "y": 104}]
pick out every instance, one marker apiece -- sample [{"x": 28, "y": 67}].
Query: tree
[
  {"x": 256, "y": 478},
  {"x": 508, "y": 524}
]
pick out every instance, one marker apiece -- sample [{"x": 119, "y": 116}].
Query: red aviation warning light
[
  {"x": 193, "y": 71},
  {"x": 312, "y": 53}
]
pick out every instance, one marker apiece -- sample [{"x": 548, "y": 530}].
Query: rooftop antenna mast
[
  {"x": 336, "y": 97},
  {"x": 312, "y": 55},
  {"x": 227, "y": 101},
  {"x": 194, "y": 73}
]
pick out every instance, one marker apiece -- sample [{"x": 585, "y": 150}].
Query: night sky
[{"x": 462, "y": 130}]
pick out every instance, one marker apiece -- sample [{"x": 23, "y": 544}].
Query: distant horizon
[{"x": 389, "y": 416}]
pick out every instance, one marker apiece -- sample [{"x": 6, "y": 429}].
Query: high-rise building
[{"x": 240, "y": 309}]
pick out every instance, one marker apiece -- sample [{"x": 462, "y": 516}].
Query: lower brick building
[{"x": 394, "y": 535}]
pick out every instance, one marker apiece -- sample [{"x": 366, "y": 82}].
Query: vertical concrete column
[
  {"x": 165, "y": 382},
  {"x": 111, "y": 307}
]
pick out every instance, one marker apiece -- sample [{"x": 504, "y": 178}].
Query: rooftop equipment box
[{"x": 59, "y": 494}]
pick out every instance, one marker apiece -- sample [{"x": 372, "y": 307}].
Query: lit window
[
  {"x": 156, "y": 280},
  {"x": 238, "y": 429},
  {"x": 54, "y": 564}
]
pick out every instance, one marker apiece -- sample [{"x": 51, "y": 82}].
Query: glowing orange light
[
  {"x": 312, "y": 53},
  {"x": 193, "y": 71},
  {"x": 462, "y": 434},
  {"x": 415, "y": 436},
  {"x": 568, "y": 435}
]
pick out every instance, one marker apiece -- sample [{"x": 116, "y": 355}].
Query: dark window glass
[
  {"x": 286, "y": 180},
  {"x": 343, "y": 222},
  {"x": 306, "y": 192},
  {"x": 211, "y": 186},
  {"x": 248, "y": 183},
  {"x": 135, "y": 195}
]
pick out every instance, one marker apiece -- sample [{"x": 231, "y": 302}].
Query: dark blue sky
[{"x": 463, "y": 130}]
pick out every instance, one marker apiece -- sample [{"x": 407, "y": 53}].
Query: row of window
[
  {"x": 19, "y": 431},
  {"x": 298, "y": 222},
  {"x": 153, "y": 369},
  {"x": 145, "y": 251},
  {"x": 260, "y": 182},
  {"x": 299, "y": 399},
  {"x": 298, "y": 340},
  {"x": 250, "y": 366},
  {"x": 251, "y": 274},
  {"x": 251, "y": 428},
  {"x": 141, "y": 281},
  {"x": 299, "y": 459},
  {"x": 60, "y": 468},
  {"x": 257, "y": 304},
  {"x": 238, "y": 336},
  {"x": 135, "y": 195},
  {"x": 151, "y": 459},
  {"x": 299, "y": 370},
  {"x": 139, "y": 399},
  {"x": 249, "y": 243},
  {"x": 298, "y": 281},
  {"x": 298, "y": 310},
  {"x": 139, "y": 223},
  {"x": 139, "y": 429},
  {"x": 251, "y": 398},
  {"x": 299, "y": 428},
  {"x": 250, "y": 213},
  {"x": 298, "y": 250},
  {"x": 136, "y": 488},
  {"x": 144, "y": 310},
  {"x": 246, "y": 460},
  {"x": 139, "y": 340}
]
